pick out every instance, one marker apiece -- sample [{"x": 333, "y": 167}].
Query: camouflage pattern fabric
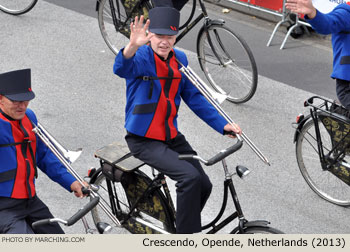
[
  {"x": 129, "y": 6},
  {"x": 340, "y": 137},
  {"x": 135, "y": 185}
]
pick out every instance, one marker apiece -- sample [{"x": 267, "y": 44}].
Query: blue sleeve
[
  {"x": 199, "y": 105},
  {"x": 132, "y": 67},
  {"x": 49, "y": 163},
  {"x": 336, "y": 21}
]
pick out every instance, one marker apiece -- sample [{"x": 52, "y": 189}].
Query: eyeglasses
[{"x": 17, "y": 102}]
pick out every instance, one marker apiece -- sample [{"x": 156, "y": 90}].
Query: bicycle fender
[
  {"x": 208, "y": 24},
  {"x": 256, "y": 223},
  {"x": 300, "y": 125},
  {"x": 216, "y": 22}
]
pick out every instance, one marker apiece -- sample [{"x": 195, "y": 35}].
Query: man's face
[
  {"x": 162, "y": 44},
  {"x": 14, "y": 109}
]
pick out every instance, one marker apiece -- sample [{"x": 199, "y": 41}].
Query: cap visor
[{"x": 21, "y": 97}]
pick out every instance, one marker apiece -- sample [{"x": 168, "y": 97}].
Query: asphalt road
[{"x": 81, "y": 102}]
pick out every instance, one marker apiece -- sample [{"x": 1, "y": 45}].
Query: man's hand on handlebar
[
  {"x": 76, "y": 187},
  {"x": 234, "y": 128}
]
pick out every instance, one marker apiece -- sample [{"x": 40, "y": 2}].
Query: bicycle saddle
[{"x": 119, "y": 156}]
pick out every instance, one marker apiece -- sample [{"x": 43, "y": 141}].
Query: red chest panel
[{"x": 162, "y": 126}]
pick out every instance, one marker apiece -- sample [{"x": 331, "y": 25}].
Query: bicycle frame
[
  {"x": 214, "y": 226},
  {"x": 228, "y": 185},
  {"x": 207, "y": 22},
  {"x": 188, "y": 24}
]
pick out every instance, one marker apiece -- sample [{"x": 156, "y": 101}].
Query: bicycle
[
  {"x": 223, "y": 55},
  {"x": 322, "y": 141},
  {"x": 143, "y": 204},
  {"x": 17, "y": 7}
]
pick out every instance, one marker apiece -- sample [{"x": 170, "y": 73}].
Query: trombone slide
[{"x": 211, "y": 97}]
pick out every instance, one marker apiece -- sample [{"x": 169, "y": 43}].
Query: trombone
[
  {"x": 216, "y": 99},
  {"x": 67, "y": 157}
]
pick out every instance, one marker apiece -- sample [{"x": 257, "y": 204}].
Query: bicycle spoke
[
  {"x": 227, "y": 63},
  {"x": 107, "y": 13}
]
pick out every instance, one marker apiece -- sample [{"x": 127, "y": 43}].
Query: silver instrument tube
[
  {"x": 64, "y": 157},
  {"x": 208, "y": 94},
  {"x": 61, "y": 153}
]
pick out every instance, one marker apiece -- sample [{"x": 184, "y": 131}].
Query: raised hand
[
  {"x": 138, "y": 36},
  {"x": 302, "y": 7}
]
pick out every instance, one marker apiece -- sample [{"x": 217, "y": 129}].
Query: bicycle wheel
[
  {"x": 153, "y": 209},
  {"x": 258, "y": 230},
  {"x": 114, "y": 18},
  {"x": 227, "y": 63},
  {"x": 322, "y": 181},
  {"x": 17, "y": 7}
]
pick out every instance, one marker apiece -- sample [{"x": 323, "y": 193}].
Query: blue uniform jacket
[
  {"x": 11, "y": 157},
  {"x": 137, "y": 92},
  {"x": 337, "y": 23}
]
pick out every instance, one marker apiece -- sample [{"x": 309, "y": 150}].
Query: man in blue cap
[
  {"x": 155, "y": 87},
  {"x": 337, "y": 23},
  {"x": 21, "y": 152}
]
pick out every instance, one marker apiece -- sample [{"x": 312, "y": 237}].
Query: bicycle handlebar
[
  {"x": 218, "y": 157},
  {"x": 72, "y": 220},
  {"x": 82, "y": 211}
]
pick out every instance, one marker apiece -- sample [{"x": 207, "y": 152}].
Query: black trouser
[
  {"x": 343, "y": 92},
  {"x": 193, "y": 186},
  {"x": 177, "y": 4},
  {"x": 17, "y": 216}
]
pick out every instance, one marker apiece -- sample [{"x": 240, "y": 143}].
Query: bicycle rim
[
  {"x": 116, "y": 32},
  {"x": 228, "y": 64},
  {"x": 322, "y": 182},
  {"x": 17, "y": 7}
]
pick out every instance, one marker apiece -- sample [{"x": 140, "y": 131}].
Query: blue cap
[
  {"x": 16, "y": 85},
  {"x": 164, "y": 20}
]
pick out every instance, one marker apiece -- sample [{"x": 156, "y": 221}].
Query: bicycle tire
[
  {"x": 324, "y": 183},
  {"x": 154, "y": 209},
  {"x": 187, "y": 16},
  {"x": 238, "y": 76},
  {"x": 258, "y": 230},
  {"x": 116, "y": 35},
  {"x": 17, "y": 7}
]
